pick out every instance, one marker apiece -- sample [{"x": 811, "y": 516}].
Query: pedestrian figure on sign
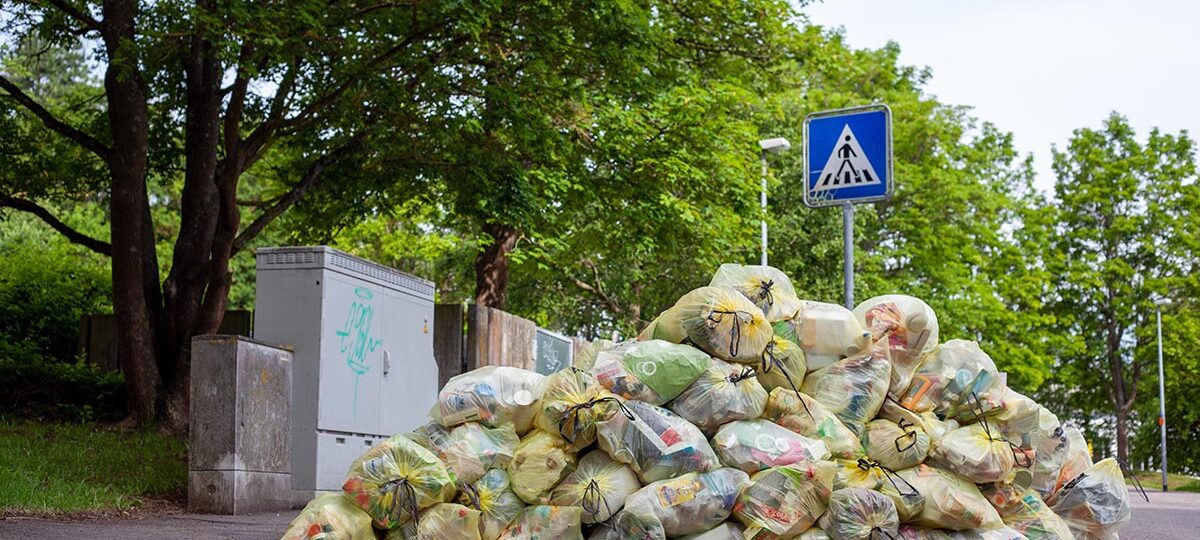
[{"x": 847, "y": 170}]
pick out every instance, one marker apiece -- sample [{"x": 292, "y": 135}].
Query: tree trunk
[
  {"x": 132, "y": 252},
  {"x": 491, "y": 266},
  {"x": 1123, "y": 435}
]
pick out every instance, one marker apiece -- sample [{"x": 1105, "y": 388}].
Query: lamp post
[
  {"x": 768, "y": 146},
  {"x": 1162, "y": 393}
]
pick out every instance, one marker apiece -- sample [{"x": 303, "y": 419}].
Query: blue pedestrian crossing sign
[{"x": 848, "y": 156}]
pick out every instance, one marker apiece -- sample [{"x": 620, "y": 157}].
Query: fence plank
[{"x": 448, "y": 341}]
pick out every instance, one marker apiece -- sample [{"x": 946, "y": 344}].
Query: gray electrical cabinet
[{"x": 364, "y": 367}]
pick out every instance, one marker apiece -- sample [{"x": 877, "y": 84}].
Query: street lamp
[
  {"x": 1162, "y": 394},
  {"x": 768, "y": 146}
]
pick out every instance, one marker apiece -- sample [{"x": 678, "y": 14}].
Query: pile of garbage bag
[{"x": 740, "y": 412}]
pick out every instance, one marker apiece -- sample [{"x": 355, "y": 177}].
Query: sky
[{"x": 1042, "y": 68}]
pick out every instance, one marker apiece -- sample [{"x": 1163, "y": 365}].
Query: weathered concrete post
[{"x": 240, "y": 437}]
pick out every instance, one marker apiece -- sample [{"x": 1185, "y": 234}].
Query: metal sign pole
[
  {"x": 1162, "y": 403},
  {"x": 848, "y": 253}
]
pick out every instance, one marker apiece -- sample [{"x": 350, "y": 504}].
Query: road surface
[{"x": 1168, "y": 516}]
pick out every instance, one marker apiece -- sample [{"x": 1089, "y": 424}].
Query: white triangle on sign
[{"x": 848, "y": 165}]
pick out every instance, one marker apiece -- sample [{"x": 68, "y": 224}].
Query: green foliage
[
  {"x": 1181, "y": 340},
  {"x": 60, "y": 391},
  {"x": 48, "y": 468},
  {"x": 46, "y": 284}
]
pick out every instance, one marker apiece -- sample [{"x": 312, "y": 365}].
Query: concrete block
[{"x": 240, "y": 433}]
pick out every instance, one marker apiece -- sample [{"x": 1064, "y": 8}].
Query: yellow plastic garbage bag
[
  {"x": 853, "y": 388},
  {"x": 723, "y": 393},
  {"x": 1076, "y": 459},
  {"x": 861, "y": 472},
  {"x": 976, "y": 453},
  {"x": 724, "y": 531},
  {"x": 769, "y": 289},
  {"x": 724, "y": 324},
  {"x": 689, "y": 504},
  {"x": 654, "y": 371},
  {"x": 754, "y": 445},
  {"x": 1038, "y": 436},
  {"x": 859, "y": 514},
  {"x": 804, "y": 415},
  {"x": 493, "y": 496},
  {"x": 668, "y": 326},
  {"x": 470, "y": 449},
  {"x": 785, "y": 501},
  {"x": 546, "y": 523},
  {"x": 541, "y": 461},
  {"x": 491, "y": 395},
  {"x": 895, "y": 445},
  {"x": 933, "y": 426},
  {"x": 397, "y": 478},
  {"x": 814, "y": 533},
  {"x": 1022, "y": 510},
  {"x": 909, "y": 502},
  {"x": 655, "y": 442},
  {"x": 782, "y": 366},
  {"x": 910, "y": 327},
  {"x": 442, "y": 521},
  {"x": 954, "y": 380},
  {"x": 572, "y": 402},
  {"x": 586, "y": 356},
  {"x": 825, "y": 332},
  {"x": 626, "y": 525},
  {"x": 599, "y": 485},
  {"x": 1096, "y": 503},
  {"x": 331, "y": 516},
  {"x": 951, "y": 501}
]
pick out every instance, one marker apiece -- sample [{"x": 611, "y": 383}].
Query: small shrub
[{"x": 75, "y": 392}]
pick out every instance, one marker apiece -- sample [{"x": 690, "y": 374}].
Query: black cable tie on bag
[
  {"x": 593, "y": 494},
  {"x": 883, "y": 532},
  {"x": 746, "y": 373},
  {"x": 572, "y": 414},
  {"x": 735, "y": 332},
  {"x": 472, "y": 496},
  {"x": 769, "y": 360},
  {"x": 408, "y": 498},
  {"x": 764, "y": 292},
  {"x": 912, "y": 440},
  {"x": 1125, "y": 469},
  {"x": 866, "y": 464},
  {"x": 977, "y": 410}
]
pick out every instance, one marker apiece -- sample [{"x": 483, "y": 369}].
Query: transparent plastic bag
[
  {"x": 861, "y": 472},
  {"x": 546, "y": 523},
  {"x": 724, "y": 324},
  {"x": 723, "y": 393},
  {"x": 895, "y": 446},
  {"x": 804, "y": 415},
  {"x": 769, "y": 289},
  {"x": 689, "y": 504},
  {"x": 825, "y": 332},
  {"x": 951, "y": 501},
  {"x": 470, "y": 449},
  {"x": 656, "y": 443},
  {"x": 908, "y": 500},
  {"x": 599, "y": 485},
  {"x": 933, "y": 426},
  {"x": 626, "y": 525},
  {"x": 1022, "y": 510},
  {"x": 910, "y": 327},
  {"x": 442, "y": 521},
  {"x": 853, "y": 388},
  {"x": 724, "y": 531},
  {"x": 753, "y": 445},
  {"x": 785, "y": 501},
  {"x": 957, "y": 377},
  {"x": 572, "y": 402},
  {"x": 1039, "y": 439},
  {"x": 782, "y": 366},
  {"x": 1076, "y": 459},
  {"x": 977, "y": 454},
  {"x": 858, "y": 514},
  {"x": 586, "y": 356},
  {"x": 330, "y": 516},
  {"x": 492, "y": 395},
  {"x": 653, "y": 371},
  {"x": 541, "y": 461},
  {"x": 814, "y": 533},
  {"x": 493, "y": 496},
  {"x": 397, "y": 478},
  {"x": 1096, "y": 503},
  {"x": 668, "y": 326}
]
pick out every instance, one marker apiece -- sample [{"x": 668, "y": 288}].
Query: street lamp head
[
  {"x": 1162, "y": 301},
  {"x": 774, "y": 146}
]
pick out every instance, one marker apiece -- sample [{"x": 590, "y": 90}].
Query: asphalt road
[{"x": 1168, "y": 516}]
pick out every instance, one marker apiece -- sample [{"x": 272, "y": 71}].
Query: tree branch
[
  {"x": 25, "y": 205},
  {"x": 85, "y": 140},
  {"x": 82, "y": 16},
  {"x": 310, "y": 179}
]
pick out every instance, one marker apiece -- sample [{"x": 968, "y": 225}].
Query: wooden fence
[{"x": 475, "y": 336}]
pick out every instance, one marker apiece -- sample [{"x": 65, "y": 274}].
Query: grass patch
[
  {"x": 63, "y": 468},
  {"x": 1152, "y": 481}
]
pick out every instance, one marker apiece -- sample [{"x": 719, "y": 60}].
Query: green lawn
[
  {"x": 57, "y": 468},
  {"x": 1152, "y": 481}
]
